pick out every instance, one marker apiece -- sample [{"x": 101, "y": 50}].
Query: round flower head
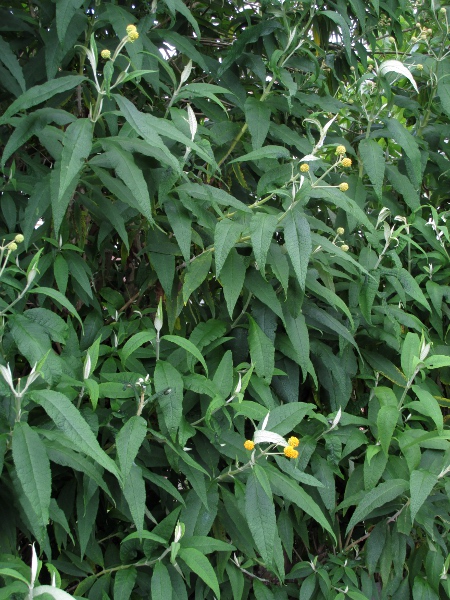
[
  {"x": 19, "y": 238},
  {"x": 345, "y": 248},
  {"x": 133, "y": 36},
  {"x": 289, "y": 452},
  {"x": 105, "y": 54},
  {"x": 340, "y": 150},
  {"x": 346, "y": 162},
  {"x": 304, "y": 168},
  {"x": 340, "y": 231},
  {"x": 419, "y": 67},
  {"x": 293, "y": 441},
  {"x": 12, "y": 246},
  {"x": 130, "y": 29},
  {"x": 249, "y": 445},
  {"x": 343, "y": 186}
]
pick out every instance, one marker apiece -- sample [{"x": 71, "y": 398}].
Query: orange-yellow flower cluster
[
  {"x": 289, "y": 452},
  {"x": 249, "y": 445}
]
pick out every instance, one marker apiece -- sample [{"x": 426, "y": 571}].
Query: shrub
[{"x": 224, "y": 300}]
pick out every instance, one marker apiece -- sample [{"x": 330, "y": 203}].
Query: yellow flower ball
[
  {"x": 340, "y": 150},
  {"x": 304, "y": 168},
  {"x": 19, "y": 238},
  {"x": 340, "y": 231},
  {"x": 343, "y": 187},
  {"x": 12, "y": 246},
  {"x": 133, "y": 36},
  {"x": 289, "y": 452},
  {"x": 293, "y": 441},
  {"x": 105, "y": 54},
  {"x": 130, "y": 29},
  {"x": 419, "y": 67},
  {"x": 249, "y": 445},
  {"x": 345, "y": 248},
  {"x": 346, "y": 162}
]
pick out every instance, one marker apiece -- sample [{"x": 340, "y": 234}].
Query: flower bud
[
  {"x": 343, "y": 186},
  {"x": 340, "y": 231},
  {"x": 19, "y": 238},
  {"x": 12, "y": 246},
  {"x": 31, "y": 276},
  {"x": 130, "y": 29},
  {"x": 340, "y": 149},
  {"x": 345, "y": 248},
  {"x": 304, "y": 168},
  {"x": 105, "y": 54},
  {"x": 419, "y": 67},
  {"x": 133, "y": 36},
  {"x": 346, "y": 162}
]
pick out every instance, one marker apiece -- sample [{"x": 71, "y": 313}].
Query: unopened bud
[
  {"x": 159, "y": 317},
  {"x": 340, "y": 231},
  {"x": 345, "y": 248},
  {"x": 31, "y": 276},
  {"x": 12, "y": 246},
  {"x": 19, "y": 238}
]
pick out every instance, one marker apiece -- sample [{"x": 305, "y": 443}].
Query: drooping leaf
[
  {"x": 128, "y": 442},
  {"x": 41, "y": 93},
  {"x": 297, "y": 237},
  {"x": 257, "y": 116},
  {"x": 379, "y": 496},
  {"x": 421, "y": 485},
  {"x": 260, "y": 514},
  {"x": 33, "y": 469},
  {"x": 226, "y": 234},
  {"x": 69, "y": 420},
  {"x": 201, "y": 566},
  {"x": 372, "y": 157}
]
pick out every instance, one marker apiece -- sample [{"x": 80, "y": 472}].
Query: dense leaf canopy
[{"x": 224, "y": 300}]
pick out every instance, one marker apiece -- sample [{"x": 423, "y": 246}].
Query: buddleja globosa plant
[{"x": 224, "y": 300}]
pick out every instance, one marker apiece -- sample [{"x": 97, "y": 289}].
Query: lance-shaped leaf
[
  {"x": 297, "y": 237},
  {"x": 232, "y": 278},
  {"x": 260, "y": 513},
  {"x": 128, "y": 442},
  {"x": 69, "y": 420},
  {"x": 262, "y": 351},
  {"x": 134, "y": 492},
  {"x": 33, "y": 469},
  {"x": 77, "y": 144},
  {"x": 257, "y": 116},
  {"x": 132, "y": 176},
  {"x": 395, "y": 66},
  {"x": 41, "y": 93},
  {"x": 169, "y": 381},
  {"x": 379, "y": 496},
  {"x": 421, "y": 485},
  {"x": 262, "y": 228},
  {"x": 199, "y": 564},
  {"x": 226, "y": 235},
  {"x": 372, "y": 157}
]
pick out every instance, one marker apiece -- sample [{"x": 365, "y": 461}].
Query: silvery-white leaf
[
  {"x": 395, "y": 66},
  {"x": 34, "y": 565},
  {"x": 269, "y": 437},
  {"x": 185, "y": 73},
  {"x": 309, "y": 158},
  {"x": 264, "y": 423},
  {"x": 192, "y": 121},
  {"x": 337, "y": 418},
  {"x": 51, "y": 591}
]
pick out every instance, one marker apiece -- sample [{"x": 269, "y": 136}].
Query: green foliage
[{"x": 224, "y": 225}]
